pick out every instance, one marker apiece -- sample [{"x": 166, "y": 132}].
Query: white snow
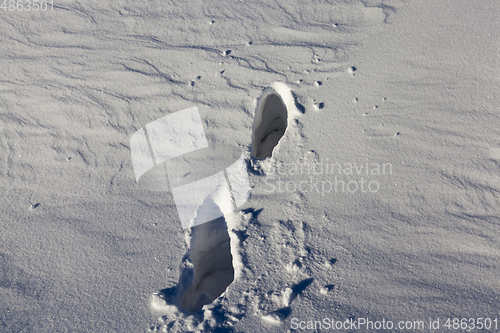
[{"x": 325, "y": 233}]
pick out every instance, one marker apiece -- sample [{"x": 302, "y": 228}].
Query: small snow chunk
[
  {"x": 158, "y": 302},
  {"x": 328, "y": 289},
  {"x": 287, "y": 296},
  {"x": 294, "y": 266},
  {"x": 319, "y": 106},
  {"x": 274, "y": 318},
  {"x": 291, "y": 267}
]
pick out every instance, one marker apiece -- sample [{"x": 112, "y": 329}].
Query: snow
[{"x": 380, "y": 201}]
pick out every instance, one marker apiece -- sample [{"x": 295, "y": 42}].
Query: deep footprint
[
  {"x": 210, "y": 253},
  {"x": 270, "y": 123}
]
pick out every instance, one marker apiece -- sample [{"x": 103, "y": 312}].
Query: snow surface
[{"x": 403, "y": 96}]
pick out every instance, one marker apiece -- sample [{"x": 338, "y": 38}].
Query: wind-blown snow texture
[{"x": 409, "y": 85}]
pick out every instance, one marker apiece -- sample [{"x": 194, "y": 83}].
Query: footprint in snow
[
  {"x": 210, "y": 254},
  {"x": 276, "y": 108}
]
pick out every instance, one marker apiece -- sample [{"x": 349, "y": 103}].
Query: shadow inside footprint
[
  {"x": 270, "y": 123},
  {"x": 210, "y": 254}
]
